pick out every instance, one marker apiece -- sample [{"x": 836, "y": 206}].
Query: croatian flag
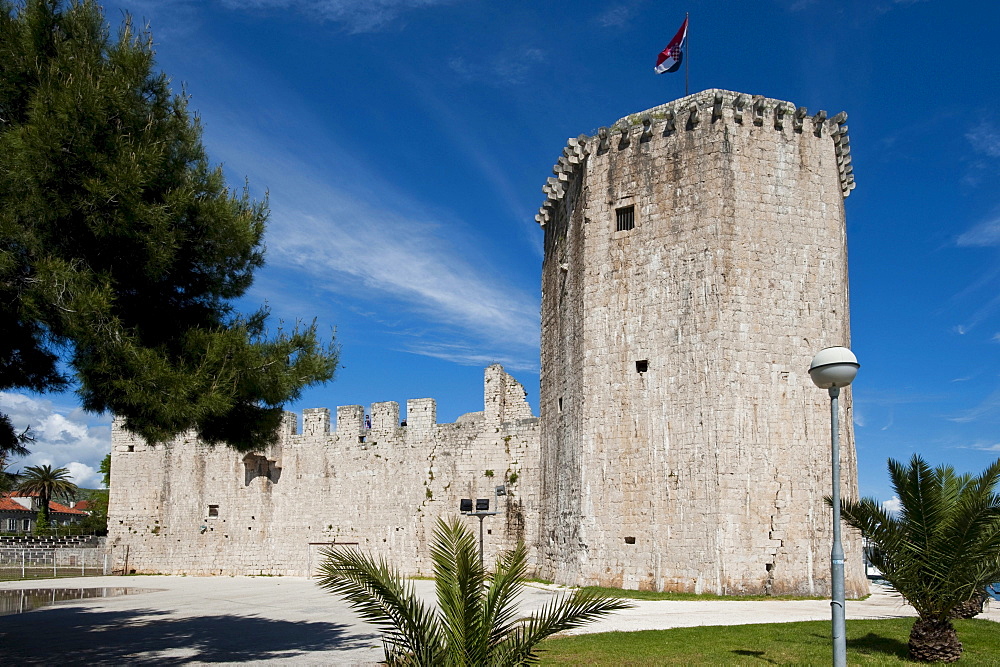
[{"x": 670, "y": 58}]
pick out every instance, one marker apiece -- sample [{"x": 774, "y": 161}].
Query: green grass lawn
[{"x": 881, "y": 642}]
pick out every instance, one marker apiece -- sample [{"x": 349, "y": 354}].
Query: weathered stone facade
[
  {"x": 184, "y": 507},
  {"x": 695, "y": 261}
]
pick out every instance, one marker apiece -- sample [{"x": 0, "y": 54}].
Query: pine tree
[{"x": 121, "y": 247}]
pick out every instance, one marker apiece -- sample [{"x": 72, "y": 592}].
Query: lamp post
[
  {"x": 833, "y": 368},
  {"x": 482, "y": 511}
]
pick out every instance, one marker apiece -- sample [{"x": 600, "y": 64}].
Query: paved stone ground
[{"x": 270, "y": 620}]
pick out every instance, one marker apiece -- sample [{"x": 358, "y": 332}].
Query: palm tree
[
  {"x": 939, "y": 550},
  {"x": 46, "y": 482},
  {"x": 476, "y": 620}
]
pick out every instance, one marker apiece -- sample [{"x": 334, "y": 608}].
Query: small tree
[
  {"x": 42, "y": 526},
  {"x": 941, "y": 549},
  {"x": 105, "y": 470},
  {"x": 476, "y": 622}
]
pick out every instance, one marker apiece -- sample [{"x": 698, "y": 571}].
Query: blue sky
[{"x": 404, "y": 144}]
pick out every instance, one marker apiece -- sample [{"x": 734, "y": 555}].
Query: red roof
[{"x": 8, "y": 505}]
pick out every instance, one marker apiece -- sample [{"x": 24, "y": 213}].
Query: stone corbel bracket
[
  {"x": 842, "y": 146},
  {"x": 573, "y": 155},
  {"x": 647, "y": 128}
]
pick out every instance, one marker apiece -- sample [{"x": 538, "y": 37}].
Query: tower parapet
[{"x": 685, "y": 114}]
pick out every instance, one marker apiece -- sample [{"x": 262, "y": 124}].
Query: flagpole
[{"x": 687, "y": 56}]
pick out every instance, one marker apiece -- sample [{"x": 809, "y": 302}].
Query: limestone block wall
[
  {"x": 184, "y": 507},
  {"x": 695, "y": 261}
]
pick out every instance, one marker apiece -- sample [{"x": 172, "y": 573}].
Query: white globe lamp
[{"x": 834, "y": 367}]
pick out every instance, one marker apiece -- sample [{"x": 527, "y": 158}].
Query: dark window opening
[
  {"x": 361, "y": 439},
  {"x": 258, "y": 466},
  {"x": 560, "y": 405},
  {"x": 213, "y": 510},
  {"x": 642, "y": 365},
  {"x": 131, "y": 448},
  {"x": 624, "y": 218},
  {"x": 629, "y": 540}
]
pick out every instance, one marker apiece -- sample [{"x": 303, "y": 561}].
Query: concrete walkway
[{"x": 270, "y": 620}]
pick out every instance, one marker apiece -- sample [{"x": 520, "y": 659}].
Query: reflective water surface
[{"x": 20, "y": 600}]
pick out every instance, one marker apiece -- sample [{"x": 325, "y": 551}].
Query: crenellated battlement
[
  {"x": 504, "y": 400},
  {"x": 711, "y": 109}
]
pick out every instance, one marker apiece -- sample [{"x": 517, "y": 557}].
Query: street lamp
[
  {"x": 833, "y": 368},
  {"x": 482, "y": 511}
]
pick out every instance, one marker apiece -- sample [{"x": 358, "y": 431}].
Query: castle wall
[
  {"x": 684, "y": 446},
  {"x": 185, "y": 507}
]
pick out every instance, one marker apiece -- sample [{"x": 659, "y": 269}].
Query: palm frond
[
  {"x": 506, "y": 582},
  {"x": 382, "y": 597},
  {"x": 460, "y": 580},
  {"x": 564, "y": 613}
]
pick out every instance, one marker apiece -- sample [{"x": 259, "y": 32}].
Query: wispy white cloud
[
  {"x": 358, "y": 245},
  {"x": 984, "y": 234},
  {"x": 985, "y": 138},
  {"x": 981, "y": 293},
  {"x": 983, "y": 446},
  {"x": 800, "y": 5},
  {"x": 469, "y": 356},
  {"x": 509, "y": 68},
  {"x": 356, "y": 235},
  {"x": 355, "y": 15},
  {"x": 891, "y": 397},
  {"x": 892, "y": 420},
  {"x": 987, "y": 408},
  {"x": 481, "y": 155},
  {"x": 616, "y": 16},
  {"x": 65, "y": 437},
  {"x": 981, "y": 313},
  {"x": 996, "y": 337}
]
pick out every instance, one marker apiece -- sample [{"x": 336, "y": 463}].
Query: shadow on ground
[
  {"x": 872, "y": 644},
  {"x": 146, "y": 637},
  {"x": 755, "y": 654}
]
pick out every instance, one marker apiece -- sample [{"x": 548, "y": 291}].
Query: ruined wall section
[
  {"x": 185, "y": 507},
  {"x": 679, "y": 351}
]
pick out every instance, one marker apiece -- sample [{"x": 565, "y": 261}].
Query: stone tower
[{"x": 695, "y": 261}]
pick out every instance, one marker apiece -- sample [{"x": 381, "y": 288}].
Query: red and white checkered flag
[{"x": 670, "y": 58}]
